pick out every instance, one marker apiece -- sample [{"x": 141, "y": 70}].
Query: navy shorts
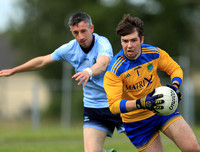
[
  {"x": 102, "y": 119},
  {"x": 143, "y": 133}
]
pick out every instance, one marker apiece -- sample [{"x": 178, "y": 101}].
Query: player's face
[
  {"x": 83, "y": 33},
  {"x": 131, "y": 45}
]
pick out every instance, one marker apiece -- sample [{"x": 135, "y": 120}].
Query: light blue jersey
[{"x": 94, "y": 94}]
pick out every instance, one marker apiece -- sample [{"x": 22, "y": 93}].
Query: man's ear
[
  {"x": 142, "y": 40},
  {"x": 92, "y": 28}
]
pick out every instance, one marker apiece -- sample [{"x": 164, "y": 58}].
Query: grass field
[{"x": 53, "y": 138}]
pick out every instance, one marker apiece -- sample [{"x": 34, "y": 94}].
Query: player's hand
[
  {"x": 83, "y": 76},
  {"x": 175, "y": 87},
  {"x": 7, "y": 72},
  {"x": 149, "y": 102}
]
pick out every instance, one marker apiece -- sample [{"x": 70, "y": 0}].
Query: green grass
[{"x": 53, "y": 138}]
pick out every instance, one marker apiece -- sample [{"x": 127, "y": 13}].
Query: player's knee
[
  {"x": 197, "y": 148},
  {"x": 193, "y": 147}
]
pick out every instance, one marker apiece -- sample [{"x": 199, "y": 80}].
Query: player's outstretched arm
[{"x": 31, "y": 65}]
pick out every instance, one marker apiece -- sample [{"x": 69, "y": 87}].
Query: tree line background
[{"x": 172, "y": 25}]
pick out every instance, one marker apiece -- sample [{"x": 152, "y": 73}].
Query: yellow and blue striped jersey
[{"x": 133, "y": 79}]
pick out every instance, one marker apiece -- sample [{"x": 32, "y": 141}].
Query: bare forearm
[
  {"x": 100, "y": 66},
  {"x": 131, "y": 105},
  {"x": 31, "y": 65},
  {"x": 98, "y": 69}
]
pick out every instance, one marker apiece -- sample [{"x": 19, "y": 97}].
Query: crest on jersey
[
  {"x": 94, "y": 60},
  {"x": 150, "y": 67}
]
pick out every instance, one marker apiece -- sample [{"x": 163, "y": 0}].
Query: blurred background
[{"x": 31, "y": 28}]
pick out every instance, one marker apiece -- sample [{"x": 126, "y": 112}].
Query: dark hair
[
  {"x": 79, "y": 17},
  {"x": 129, "y": 24}
]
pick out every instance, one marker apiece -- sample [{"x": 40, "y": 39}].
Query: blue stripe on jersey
[
  {"x": 117, "y": 64},
  {"x": 149, "y": 53}
]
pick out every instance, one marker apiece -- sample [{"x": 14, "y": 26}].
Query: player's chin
[
  {"x": 84, "y": 44},
  {"x": 131, "y": 56}
]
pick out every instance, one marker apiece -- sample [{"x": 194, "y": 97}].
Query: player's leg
[
  {"x": 96, "y": 128},
  {"x": 156, "y": 146},
  {"x": 183, "y": 136},
  {"x": 94, "y": 140}
]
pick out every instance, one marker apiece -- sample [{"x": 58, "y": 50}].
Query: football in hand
[{"x": 171, "y": 100}]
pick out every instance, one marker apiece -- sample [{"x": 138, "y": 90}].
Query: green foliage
[
  {"x": 197, "y": 111},
  {"x": 53, "y": 110},
  {"x": 45, "y": 25},
  {"x": 77, "y": 106}
]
